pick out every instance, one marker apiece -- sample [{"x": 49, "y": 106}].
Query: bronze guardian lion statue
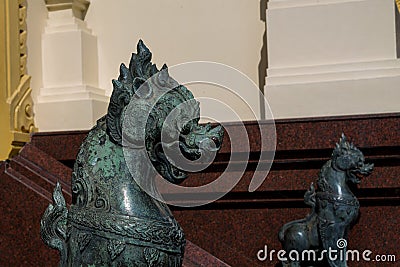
[
  {"x": 113, "y": 221},
  {"x": 333, "y": 209}
]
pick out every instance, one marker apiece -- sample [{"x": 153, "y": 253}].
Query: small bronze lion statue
[{"x": 334, "y": 208}]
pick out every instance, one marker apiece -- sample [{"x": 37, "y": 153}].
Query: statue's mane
[
  {"x": 129, "y": 80},
  {"x": 132, "y": 84},
  {"x": 343, "y": 147},
  {"x": 142, "y": 99}
]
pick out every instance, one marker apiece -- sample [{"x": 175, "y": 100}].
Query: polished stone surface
[{"x": 236, "y": 227}]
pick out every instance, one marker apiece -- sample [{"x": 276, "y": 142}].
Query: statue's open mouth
[
  {"x": 363, "y": 170},
  {"x": 202, "y": 142}
]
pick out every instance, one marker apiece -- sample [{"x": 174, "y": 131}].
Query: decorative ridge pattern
[{"x": 167, "y": 235}]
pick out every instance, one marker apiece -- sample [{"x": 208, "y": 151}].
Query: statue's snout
[{"x": 367, "y": 169}]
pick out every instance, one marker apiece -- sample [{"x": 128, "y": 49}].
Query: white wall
[
  {"x": 317, "y": 49},
  {"x": 36, "y": 21},
  {"x": 312, "y": 32},
  {"x": 177, "y": 31},
  {"x": 332, "y": 57}
]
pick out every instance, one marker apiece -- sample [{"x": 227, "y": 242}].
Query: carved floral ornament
[{"x": 16, "y": 100}]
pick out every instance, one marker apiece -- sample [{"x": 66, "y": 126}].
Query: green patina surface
[{"x": 113, "y": 221}]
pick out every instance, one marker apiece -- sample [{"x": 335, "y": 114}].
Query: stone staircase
[{"x": 233, "y": 229}]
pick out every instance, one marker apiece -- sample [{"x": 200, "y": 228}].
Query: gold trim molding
[
  {"x": 15, "y": 99},
  {"x": 398, "y": 4}
]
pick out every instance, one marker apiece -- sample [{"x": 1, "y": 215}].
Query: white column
[
  {"x": 70, "y": 98},
  {"x": 332, "y": 57}
]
